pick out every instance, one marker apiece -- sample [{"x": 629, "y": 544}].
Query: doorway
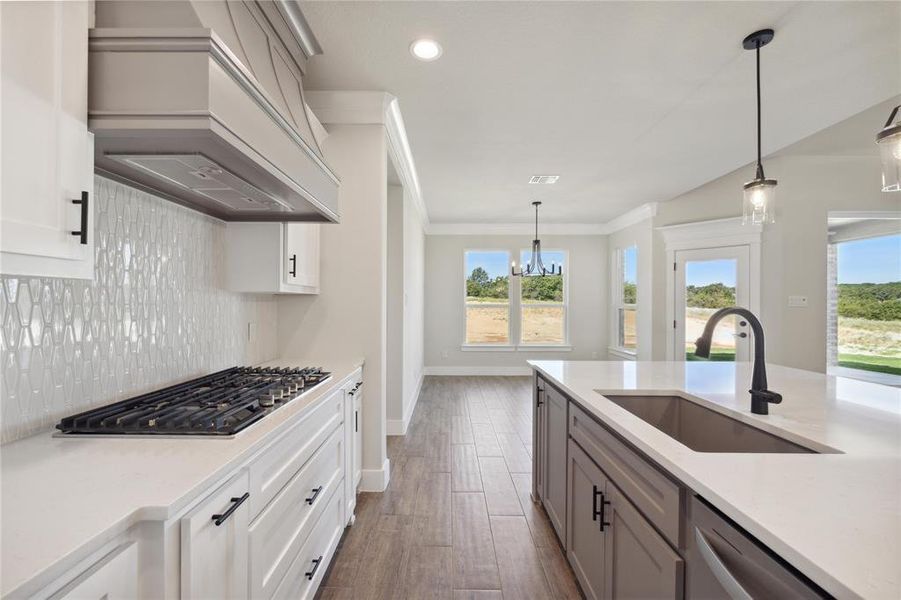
[{"x": 706, "y": 280}]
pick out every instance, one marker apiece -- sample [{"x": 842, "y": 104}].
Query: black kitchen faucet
[{"x": 760, "y": 395}]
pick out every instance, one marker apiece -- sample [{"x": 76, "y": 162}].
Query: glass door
[{"x": 705, "y": 281}]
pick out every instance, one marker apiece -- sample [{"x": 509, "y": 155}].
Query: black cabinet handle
[
  {"x": 293, "y": 261},
  {"x": 312, "y": 572},
  {"x": 83, "y": 232},
  {"x": 236, "y": 502},
  {"x": 595, "y": 511},
  {"x": 312, "y": 498},
  {"x": 604, "y": 502},
  {"x": 356, "y": 421},
  {"x": 538, "y": 396}
]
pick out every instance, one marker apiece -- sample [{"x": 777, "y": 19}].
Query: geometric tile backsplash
[{"x": 154, "y": 314}]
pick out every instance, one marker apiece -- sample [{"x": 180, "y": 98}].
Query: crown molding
[
  {"x": 514, "y": 229},
  {"x": 636, "y": 215},
  {"x": 375, "y": 108}
]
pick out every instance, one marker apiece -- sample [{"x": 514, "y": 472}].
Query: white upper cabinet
[
  {"x": 47, "y": 151},
  {"x": 273, "y": 258}
]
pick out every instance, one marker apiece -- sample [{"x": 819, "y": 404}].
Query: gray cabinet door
[
  {"x": 584, "y": 534},
  {"x": 639, "y": 562},
  {"x": 555, "y": 467},
  {"x": 539, "y": 438}
]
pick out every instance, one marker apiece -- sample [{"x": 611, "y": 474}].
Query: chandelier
[{"x": 535, "y": 266}]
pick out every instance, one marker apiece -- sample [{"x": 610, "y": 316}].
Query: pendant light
[
  {"x": 889, "y": 141},
  {"x": 535, "y": 266},
  {"x": 759, "y": 204}
]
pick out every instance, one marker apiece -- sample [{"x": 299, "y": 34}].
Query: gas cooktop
[{"x": 220, "y": 404}]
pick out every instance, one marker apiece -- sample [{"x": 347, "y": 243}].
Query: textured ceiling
[{"x": 627, "y": 102}]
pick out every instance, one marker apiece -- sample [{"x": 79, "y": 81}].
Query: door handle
[
  {"x": 83, "y": 232},
  {"x": 740, "y": 334},
  {"x": 723, "y": 576},
  {"x": 236, "y": 502},
  {"x": 293, "y": 261}
]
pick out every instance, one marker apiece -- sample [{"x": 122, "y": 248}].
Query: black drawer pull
[
  {"x": 356, "y": 421},
  {"x": 236, "y": 502},
  {"x": 312, "y": 498},
  {"x": 604, "y": 502},
  {"x": 538, "y": 397},
  {"x": 83, "y": 232},
  {"x": 293, "y": 271},
  {"x": 312, "y": 572},
  {"x": 595, "y": 511}
]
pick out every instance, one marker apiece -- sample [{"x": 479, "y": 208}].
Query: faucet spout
[{"x": 761, "y": 397}]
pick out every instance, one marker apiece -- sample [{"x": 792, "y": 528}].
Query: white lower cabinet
[
  {"x": 279, "y": 532},
  {"x": 306, "y": 572},
  {"x": 114, "y": 577},
  {"x": 214, "y": 544},
  {"x": 269, "y": 529}
]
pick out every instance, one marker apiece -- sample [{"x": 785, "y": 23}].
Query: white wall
[
  {"x": 446, "y": 320},
  {"x": 348, "y": 317},
  {"x": 413, "y": 306},
  {"x": 641, "y": 236},
  {"x": 793, "y": 252},
  {"x": 395, "y": 333}
]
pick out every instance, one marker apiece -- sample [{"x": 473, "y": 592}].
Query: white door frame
[{"x": 717, "y": 233}]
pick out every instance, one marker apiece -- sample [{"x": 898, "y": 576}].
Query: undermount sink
[{"x": 702, "y": 429}]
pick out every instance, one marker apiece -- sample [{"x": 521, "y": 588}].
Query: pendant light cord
[
  {"x": 759, "y": 162},
  {"x": 536, "y": 221}
]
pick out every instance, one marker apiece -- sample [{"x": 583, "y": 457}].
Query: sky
[
  {"x": 874, "y": 260},
  {"x": 498, "y": 262},
  {"x": 705, "y": 272},
  {"x": 630, "y": 264}
]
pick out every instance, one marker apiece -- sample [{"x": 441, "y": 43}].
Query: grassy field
[
  {"x": 869, "y": 345},
  {"x": 880, "y": 364}
]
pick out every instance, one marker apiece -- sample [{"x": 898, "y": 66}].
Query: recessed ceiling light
[
  {"x": 425, "y": 49},
  {"x": 544, "y": 179}
]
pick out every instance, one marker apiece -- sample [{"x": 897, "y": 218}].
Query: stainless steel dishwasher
[{"x": 725, "y": 562}]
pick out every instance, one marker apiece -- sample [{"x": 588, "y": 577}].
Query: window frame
[
  {"x": 618, "y": 274},
  {"x": 567, "y": 266},
  {"x": 501, "y": 346}
]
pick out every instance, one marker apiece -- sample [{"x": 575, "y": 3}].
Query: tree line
[
  {"x": 480, "y": 284},
  {"x": 873, "y": 301}
]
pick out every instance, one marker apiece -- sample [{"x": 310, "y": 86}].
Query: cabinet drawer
[
  {"x": 271, "y": 470},
  {"x": 285, "y": 524},
  {"x": 306, "y": 572},
  {"x": 114, "y": 577},
  {"x": 655, "y": 495}
]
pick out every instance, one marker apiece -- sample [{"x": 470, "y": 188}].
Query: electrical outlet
[
  {"x": 594, "y": 355},
  {"x": 445, "y": 354},
  {"x": 797, "y": 301}
]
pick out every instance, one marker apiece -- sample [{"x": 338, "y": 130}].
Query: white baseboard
[
  {"x": 477, "y": 371},
  {"x": 376, "y": 480},
  {"x": 396, "y": 426}
]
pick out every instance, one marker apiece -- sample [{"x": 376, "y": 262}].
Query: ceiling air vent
[{"x": 544, "y": 179}]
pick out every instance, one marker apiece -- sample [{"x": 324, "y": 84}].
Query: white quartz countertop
[
  {"x": 835, "y": 517},
  {"x": 62, "y": 497}
]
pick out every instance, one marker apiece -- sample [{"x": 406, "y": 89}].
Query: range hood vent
[{"x": 201, "y": 102}]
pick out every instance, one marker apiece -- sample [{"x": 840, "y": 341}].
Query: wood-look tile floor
[{"x": 456, "y": 520}]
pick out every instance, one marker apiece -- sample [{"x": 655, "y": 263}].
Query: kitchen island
[{"x": 833, "y": 514}]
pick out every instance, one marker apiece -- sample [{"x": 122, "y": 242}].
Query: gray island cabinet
[{"x": 628, "y": 528}]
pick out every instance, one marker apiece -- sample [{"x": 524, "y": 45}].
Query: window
[
  {"x": 487, "y": 297},
  {"x": 543, "y": 302},
  {"x": 625, "y": 300},
  {"x": 864, "y": 301}
]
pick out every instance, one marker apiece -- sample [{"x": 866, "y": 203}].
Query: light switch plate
[{"x": 797, "y": 300}]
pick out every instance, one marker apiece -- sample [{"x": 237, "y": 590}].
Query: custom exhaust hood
[{"x": 201, "y": 102}]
